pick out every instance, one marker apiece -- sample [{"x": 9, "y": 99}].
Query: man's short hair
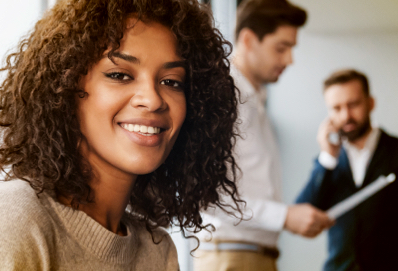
[
  {"x": 265, "y": 16},
  {"x": 347, "y": 75}
]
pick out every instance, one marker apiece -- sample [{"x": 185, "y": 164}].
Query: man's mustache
[{"x": 350, "y": 121}]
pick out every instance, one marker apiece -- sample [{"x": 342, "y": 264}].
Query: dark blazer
[{"x": 365, "y": 238}]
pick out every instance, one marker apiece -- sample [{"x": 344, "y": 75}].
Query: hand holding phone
[
  {"x": 334, "y": 138},
  {"x": 329, "y": 138}
]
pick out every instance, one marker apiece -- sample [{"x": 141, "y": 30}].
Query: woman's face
[{"x": 136, "y": 106}]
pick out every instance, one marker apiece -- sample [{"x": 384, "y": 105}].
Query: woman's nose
[{"x": 147, "y": 97}]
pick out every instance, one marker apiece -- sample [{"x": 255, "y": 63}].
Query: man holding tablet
[{"x": 353, "y": 155}]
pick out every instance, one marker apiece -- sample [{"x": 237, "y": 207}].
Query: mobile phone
[{"x": 334, "y": 138}]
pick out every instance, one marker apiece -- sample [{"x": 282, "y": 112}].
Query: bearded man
[{"x": 364, "y": 238}]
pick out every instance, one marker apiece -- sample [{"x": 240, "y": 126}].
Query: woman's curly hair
[{"x": 38, "y": 108}]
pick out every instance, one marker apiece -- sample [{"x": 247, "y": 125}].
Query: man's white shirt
[
  {"x": 260, "y": 180},
  {"x": 359, "y": 159}
]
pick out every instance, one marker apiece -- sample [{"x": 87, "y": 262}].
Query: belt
[{"x": 226, "y": 246}]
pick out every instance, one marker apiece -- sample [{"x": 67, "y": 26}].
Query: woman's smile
[
  {"x": 141, "y": 129},
  {"x": 144, "y": 132}
]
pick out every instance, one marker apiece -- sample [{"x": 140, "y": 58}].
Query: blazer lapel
[
  {"x": 378, "y": 161},
  {"x": 345, "y": 166}
]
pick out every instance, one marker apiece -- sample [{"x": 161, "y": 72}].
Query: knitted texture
[{"x": 39, "y": 233}]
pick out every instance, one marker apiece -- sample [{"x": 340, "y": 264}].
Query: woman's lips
[
  {"x": 143, "y": 135},
  {"x": 142, "y": 129}
]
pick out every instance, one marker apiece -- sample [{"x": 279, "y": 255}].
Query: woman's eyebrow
[
  {"x": 175, "y": 64},
  {"x": 134, "y": 60},
  {"x": 129, "y": 58}
]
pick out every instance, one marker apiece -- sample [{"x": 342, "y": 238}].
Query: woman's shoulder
[
  {"x": 20, "y": 206},
  {"x": 17, "y": 194},
  {"x": 158, "y": 239},
  {"x": 24, "y": 226},
  {"x": 156, "y": 249}
]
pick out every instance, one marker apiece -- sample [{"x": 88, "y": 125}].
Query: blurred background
[{"x": 361, "y": 34}]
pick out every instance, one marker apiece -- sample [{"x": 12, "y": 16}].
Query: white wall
[
  {"x": 225, "y": 12},
  {"x": 296, "y": 107},
  {"x": 16, "y": 19}
]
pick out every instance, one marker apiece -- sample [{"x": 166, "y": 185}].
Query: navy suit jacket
[{"x": 365, "y": 238}]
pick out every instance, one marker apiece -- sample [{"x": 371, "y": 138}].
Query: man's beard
[{"x": 358, "y": 132}]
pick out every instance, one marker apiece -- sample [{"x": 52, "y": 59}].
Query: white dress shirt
[
  {"x": 259, "y": 182},
  {"x": 358, "y": 158}
]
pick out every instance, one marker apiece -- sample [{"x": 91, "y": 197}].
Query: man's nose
[
  {"x": 346, "y": 114},
  {"x": 288, "y": 58}
]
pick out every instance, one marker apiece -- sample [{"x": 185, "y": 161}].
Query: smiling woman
[
  {"x": 129, "y": 96},
  {"x": 117, "y": 119}
]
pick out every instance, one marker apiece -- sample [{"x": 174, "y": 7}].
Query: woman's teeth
[{"x": 140, "y": 128}]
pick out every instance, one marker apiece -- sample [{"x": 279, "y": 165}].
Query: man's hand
[
  {"x": 306, "y": 220},
  {"x": 324, "y": 130}
]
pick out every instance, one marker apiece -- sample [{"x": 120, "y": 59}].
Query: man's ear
[
  {"x": 371, "y": 103},
  {"x": 247, "y": 38}
]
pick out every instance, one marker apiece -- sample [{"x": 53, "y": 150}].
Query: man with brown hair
[
  {"x": 364, "y": 238},
  {"x": 265, "y": 35}
]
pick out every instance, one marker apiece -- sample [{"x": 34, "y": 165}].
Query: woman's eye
[
  {"x": 172, "y": 83},
  {"x": 118, "y": 76}
]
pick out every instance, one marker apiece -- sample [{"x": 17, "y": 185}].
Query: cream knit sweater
[{"x": 39, "y": 233}]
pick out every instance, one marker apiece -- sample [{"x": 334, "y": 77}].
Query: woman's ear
[{"x": 80, "y": 91}]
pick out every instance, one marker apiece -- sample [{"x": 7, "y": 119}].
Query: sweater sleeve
[
  {"x": 172, "y": 258},
  {"x": 23, "y": 229}
]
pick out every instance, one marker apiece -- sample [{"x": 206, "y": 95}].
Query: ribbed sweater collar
[{"x": 89, "y": 234}]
